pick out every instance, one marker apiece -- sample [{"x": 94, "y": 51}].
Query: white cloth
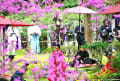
[
  {"x": 8, "y": 33},
  {"x": 32, "y": 30},
  {"x": 33, "y": 37},
  {"x": 70, "y": 50},
  {"x": 11, "y": 40},
  {"x": 113, "y": 24}
]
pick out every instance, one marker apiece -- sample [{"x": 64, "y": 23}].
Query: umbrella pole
[
  {"x": 79, "y": 20},
  {"x": 79, "y": 30}
]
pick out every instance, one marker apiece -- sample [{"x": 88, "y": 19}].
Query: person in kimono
[
  {"x": 34, "y": 34},
  {"x": 117, "y": 34},
  {"x": 81, "y": 54},
  {"x": 57, "y": 65},
  {"x": 11, "y": 34},
  {"x": 69, "y": 34},
  {"x": 108, "y": 68},
  {"x": 79, "y": 30},
  {"x": 105, "y": 30}
]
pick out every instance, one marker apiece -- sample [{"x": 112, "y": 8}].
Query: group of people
[
  {"x": 57, "y": 63},
  {"x": 105, "y": 33},
  {"x": 79, "y": 32},
  {"x": 11, "y": 34}
]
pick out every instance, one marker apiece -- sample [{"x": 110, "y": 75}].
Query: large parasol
[
  {"x": 11, "y": 22},
  {"x": 113, "y": 9},
  {"x": 80, "y": 10}
]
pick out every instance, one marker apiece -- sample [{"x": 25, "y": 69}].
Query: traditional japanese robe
[
  {"x": 78, "y": 57},
  {"x": 11, "y": 34},
  {"x": 57, "y": 67},
  {"x": 33, "y": 38}
]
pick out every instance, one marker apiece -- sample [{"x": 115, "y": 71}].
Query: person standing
[
  {"x": 33, "y": 37},
  {"x": 69, "y": 34},
  {"x": 105, "y": 30},
  {"x": 79, "y": 30},
  {"x": 57, "y": 65},
  {"x": 12, "y": 38}
]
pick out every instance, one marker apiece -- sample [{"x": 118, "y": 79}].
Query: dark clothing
[
  {"x": 89, "y": 61},
  {"x": 82, "y": 54},
  {"x": 118, "y": 27},
  {"x": 17, "y": 75},
  {"x": 80, "y": 35},
  {"x": 106, "y": 31},
  {"x": 69, "y": 37},
  {"x": 79, "y": 56}
]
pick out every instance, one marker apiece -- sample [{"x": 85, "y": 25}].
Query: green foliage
[
  {"x": 69, "y": 3},
  {"x": 116, "y": 44},
  {"x": 65, "y": 48},
  {"x": 48, "y": 50},
  {"x": 116, "y": 61},
  {"x": 95, "y": 45},
  {"x": 115, "y": 75}
]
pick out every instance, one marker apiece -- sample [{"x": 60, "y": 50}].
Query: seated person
[
  {"x": 79, "y": 56},
  {"x": 88, "y": 62},
  {"x": 117, "y": 34},
  {"x": 108, "y": 67},
  {"x": 56, "y": 59},
  {"x": 18, "y": 75}
]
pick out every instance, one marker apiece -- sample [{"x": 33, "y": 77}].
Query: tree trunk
[
  {"x": 88, "y": 31},
  {"x": 87, "y": 25}
]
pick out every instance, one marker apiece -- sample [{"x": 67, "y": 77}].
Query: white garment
[
  {"x": 68, "y": 43},
  {"x": 11, "y": 40},
  {"x": 69, "y": 51},
  {"x": 8, "y": 33},
  {"x": 32, "y": 30}
]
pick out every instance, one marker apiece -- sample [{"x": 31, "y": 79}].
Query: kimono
[
  {"x": 33, "y": 38},
  {"x": 80, "y": 35},
  {"x": 57, "y": 67},
  {"x": 78, "y": 57},
  {"x": 12, "y": 39}
]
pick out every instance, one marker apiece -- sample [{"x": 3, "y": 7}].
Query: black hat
[{"x": 33, "y": 20}]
